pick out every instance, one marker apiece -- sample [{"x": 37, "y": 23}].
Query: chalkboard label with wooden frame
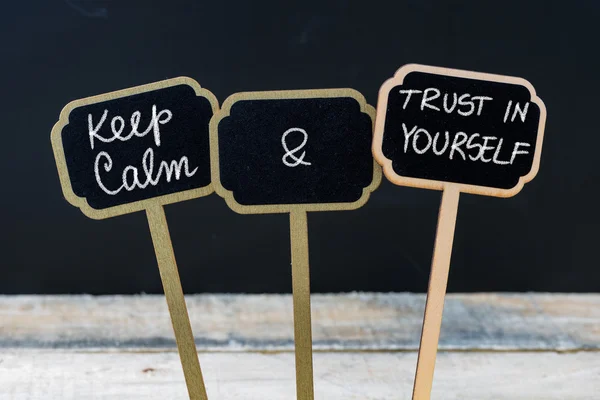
[
  {"x": 139, "y": 149},
  {"x": 292, "y": 152},
  {"x": 456, "y": 131},
  {"x": 120, "y": 152},
  {"x": 281, "y": 151},
  {"x": 438, "y": 126}
]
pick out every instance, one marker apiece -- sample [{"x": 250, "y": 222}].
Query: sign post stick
[
  {"x": 169, "y": 275},
  {"x": 301, "y": 299},
  {"x": 438, "y": 281}
]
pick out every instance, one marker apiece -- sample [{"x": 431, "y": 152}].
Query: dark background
[{"x": 544, "y": 239}]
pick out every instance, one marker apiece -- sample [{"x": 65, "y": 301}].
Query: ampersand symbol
[{"x": 290, "y": 154}]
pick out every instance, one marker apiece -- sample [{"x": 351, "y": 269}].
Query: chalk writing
[
  {"x": 130, "y": 176},
  {"x": 154, "y": 126},
  {"x": 290, "y": 154},
  {"x": 460, "y": 139}
]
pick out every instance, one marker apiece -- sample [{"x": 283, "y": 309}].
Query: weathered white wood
[
  {"x": 35, "y": 374},
  {"x": 363, "y": 321},
  {"x": 120, "y": 347}
]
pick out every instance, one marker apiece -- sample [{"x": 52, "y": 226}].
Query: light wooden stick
[
  {"x": 176, "y": 302},
  {"x": 438, "y": 281},
  {"x": 301, "y": 298}
]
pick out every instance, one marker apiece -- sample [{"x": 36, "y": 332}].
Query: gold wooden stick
[
  {"x": 301, "y": 296},
  {"x": 438, "y": 281},
  {"x": 176, "y": 302}
]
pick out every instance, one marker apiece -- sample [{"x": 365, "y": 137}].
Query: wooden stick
[
  {"x": 301, "y": 299},
  {"x": 438, "y": 281},
  {"x": 176, "y": 302}
]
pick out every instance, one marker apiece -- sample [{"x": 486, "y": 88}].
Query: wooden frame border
[
  {"x": 386, "y": 163},
  {"x": 61, "y": 164},
  {"x": 224, "y": 112}
]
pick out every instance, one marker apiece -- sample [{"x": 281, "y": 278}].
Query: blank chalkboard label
[
  {"x": 119, "y": 152},
  {"x": 437, "y": 126},
  {"x": 275, "y": 151}
]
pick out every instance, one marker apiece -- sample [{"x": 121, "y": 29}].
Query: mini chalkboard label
[
  {"x": 305, "y": 149},
  {"x": 119, "y": 152},
  {"x": 293, "y": 152},
  {"x": 139, "y": 149},
  {"x": 456, "y": 131},
  {"x": 437, "y": 126}
]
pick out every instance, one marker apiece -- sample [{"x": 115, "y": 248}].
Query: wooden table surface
[{"x": 493, "y": 346}]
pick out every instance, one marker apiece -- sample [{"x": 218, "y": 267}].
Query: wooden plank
[
  {"x": 37, "y": 374},
  {"x": 358, "y": 321}
]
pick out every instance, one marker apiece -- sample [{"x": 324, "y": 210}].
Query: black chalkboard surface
[
  {"x": 58, "y": 51},
  {"x": 483, "y": 132},
  {"x": 310, "y": 148},
  {"x": 149, "y": 143}
]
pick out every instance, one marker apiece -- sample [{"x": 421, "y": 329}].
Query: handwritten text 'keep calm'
[{"x": 130, "y": 176}]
